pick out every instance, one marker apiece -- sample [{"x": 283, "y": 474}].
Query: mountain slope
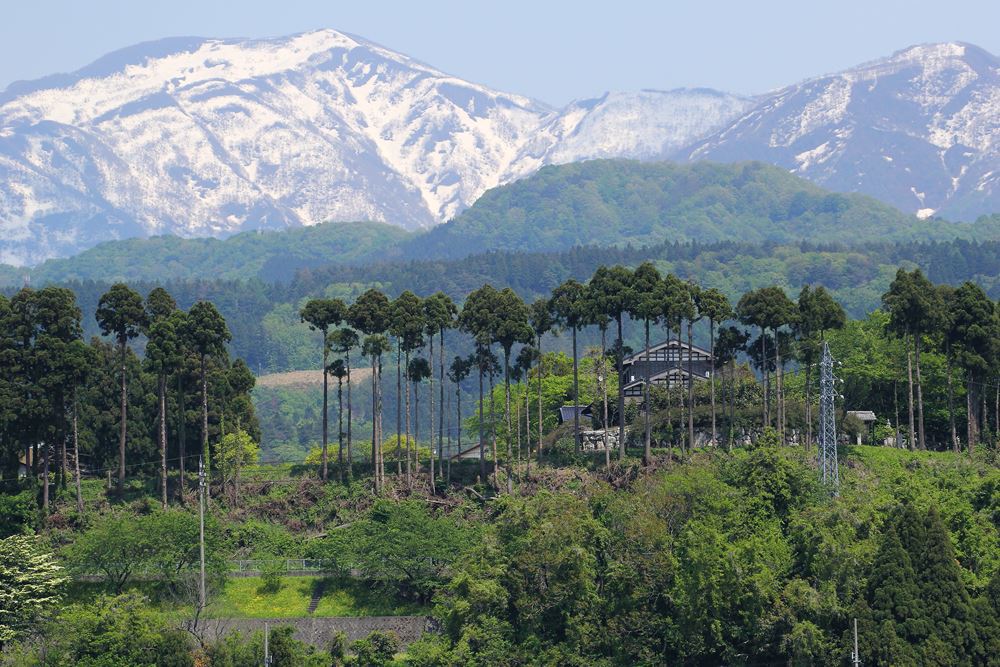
[
  {"x": 918, "y": 130},
  {"x": 207, "y": 137},
  {"x": 615, "y": 202}
]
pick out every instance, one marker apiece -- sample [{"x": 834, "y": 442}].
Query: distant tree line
[{"x": 70, "y": 407}]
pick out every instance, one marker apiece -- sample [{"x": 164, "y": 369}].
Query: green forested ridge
[
  {"x": 593, "y": 203},
  {"x": 264, "y": 255},
  {"x": 619, "y": 202}
]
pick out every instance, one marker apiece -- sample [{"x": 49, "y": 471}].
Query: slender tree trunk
[
  {"x": 765, "y": 405},
  {"x": 76, "y": 455},
  {"x": 621, "y": 392},
  {"x": 45, "y": 478},
  {"x": 375, "y": 423},
  {"x": 63, "y": 456},
  {"x": 779, "y": 372},
  {"x": 409, "y": 469},
  {"x": 181, "y": 432},
  {"x": 602, "y": 378},
  {"x": 482, "y": 437},
  {"x": 350, "y": 418},
  {"x": 340, "y": 429},
  {"x": 493, "y": 438},
  {"x": 124, "y": 421},
  {"x": 681, "y": 431},
  {"x": 951, "y": 399},
  {"x": 162, "y": 381},
  {"x": 430, "y": 396},
  {"x": 204, "y": 427},
  {"x": 416, "y": 429},
  {"x": 380, "y": 448},
  {"x": 458, "y": 435},
  {"x": 971, "y": 417},
  {"x": 909, "y": 396},
  {"x": 326, "y": 410},
  {"x": 510, "y": 429},
  {"x": 920, "y": 395},
  {"x": 732, "y": 405},
  {"x": 441, "y": 410},
  {"x": 690, "y": 383},
  {"x": 576, "y": 398},
  {"x": 541, "y": 369},
  {"x": 647, "y": 445},
  {"x": 399, "y": 409},
  {"x": 895, "y": 407},
  {"x": 527, "y": 423},
  {"x": 809, "y": 425},
  {"x": 711, "y": 353}
]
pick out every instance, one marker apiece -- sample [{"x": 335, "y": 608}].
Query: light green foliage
[
  {"x": 120, "y": 631},
  {"x": 235, "y": 452},
  {"x": 165, "y": 543},
  {"x": 401, "y": 544},
  {"x": 30, "y": 585}
]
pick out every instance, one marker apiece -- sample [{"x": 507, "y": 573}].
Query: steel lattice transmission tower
[{"x": 829, "y": 473}]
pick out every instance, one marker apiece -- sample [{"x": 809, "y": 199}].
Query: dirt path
[{"x": 308, "y": 379}]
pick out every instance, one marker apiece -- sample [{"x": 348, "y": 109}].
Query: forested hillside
[
  {"x": 600, "y": 203},
  {"x": 618, "y": 202},
  {"x": 695, "y": 528}
]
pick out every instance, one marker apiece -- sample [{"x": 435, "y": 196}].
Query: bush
[
  {"x": 271, "y": 571},
  {"x": 375, "y": 650},
  {"x": 17, "y": 513}
]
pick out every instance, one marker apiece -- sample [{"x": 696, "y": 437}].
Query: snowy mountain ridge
[
  {"x": 919, "y": 130},
  {"x": 197, "y": 137}
]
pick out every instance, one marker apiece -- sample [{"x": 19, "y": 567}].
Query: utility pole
[
  {"x": 829, "y": 472},
  {"x": 267, "y": 652},
  {"x": 201, "y": 531},
  {"x": 856, "y": 657}
]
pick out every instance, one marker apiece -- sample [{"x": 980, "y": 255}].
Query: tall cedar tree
[
  {"x": 320, "y": 315},
  {"x": 511, "y": 328},
  {"x": 344, "y": 340},
  {"x": 439, "y": 316},
  {"x": 613, "y": 290},
  {"x": 163, "y": 352},
  {"x": 542, "y": 322},
  {"x": 371, "y": 315},
  {"x": 408, "y": 329},
  {"x": 206, "y": 334},
  {"x": 120, "y": 313},
  {"x": 478, "y": 320},
  {"x": 646, "y": 305},
  {"x": 569, "y": 304},
  {"x": 714, "y": 305}
]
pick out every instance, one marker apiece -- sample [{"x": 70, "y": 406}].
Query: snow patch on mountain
[{"x": 196, "y": 137}]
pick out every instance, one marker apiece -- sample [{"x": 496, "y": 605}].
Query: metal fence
[{"x": 257, "y": 565}]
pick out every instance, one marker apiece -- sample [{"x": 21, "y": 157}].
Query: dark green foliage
[
  {"x": 114, "y": 632},
  {"x": 375, "y": 650},
  {"x": 615, "y": 202},
  {"x": 266, "y": 255}
]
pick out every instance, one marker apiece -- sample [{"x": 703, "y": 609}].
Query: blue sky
[{"x": 553, "y": 51}]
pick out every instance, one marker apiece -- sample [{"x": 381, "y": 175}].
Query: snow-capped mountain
[
  {"x": 199, "y": 137},
  {"x": 919, "y": 130},
  {"x": 648, "y": 125}
]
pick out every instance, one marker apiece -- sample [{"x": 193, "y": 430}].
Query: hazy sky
[{"x": 553, "y": 51}]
